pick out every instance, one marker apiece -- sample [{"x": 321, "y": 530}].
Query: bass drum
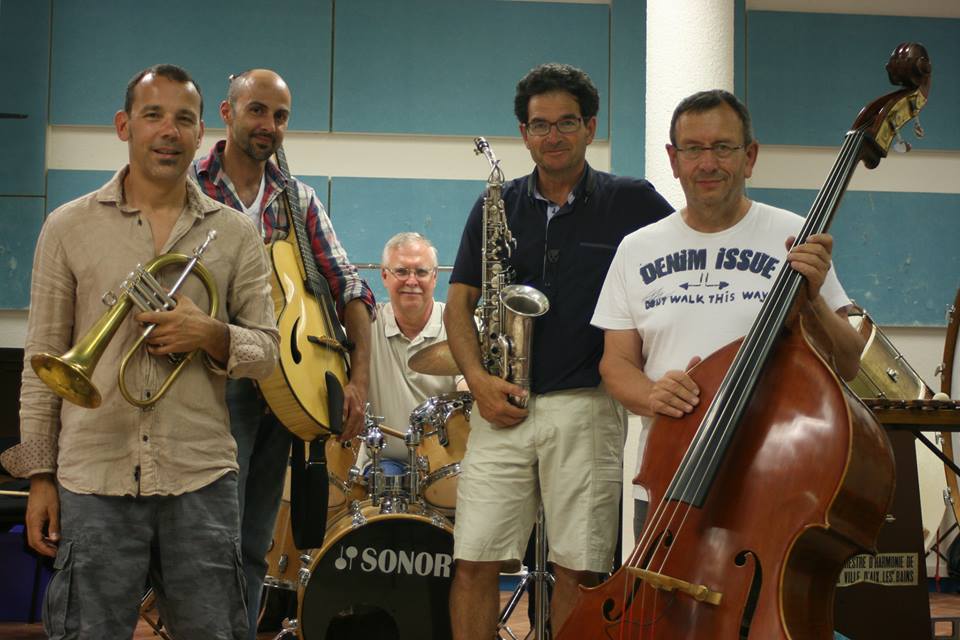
[
  {"x": 383, "y": 576},
  {"x": 885, "y": 373}
]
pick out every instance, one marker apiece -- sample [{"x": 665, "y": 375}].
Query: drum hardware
[
  {"x": 147, "y": 605},
  {"x": 539, "y": 576},
  {"x": 289, "y": 629}
]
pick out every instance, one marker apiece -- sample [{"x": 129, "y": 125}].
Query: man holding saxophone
[
  {"x": 567, "y": 219},
  {"x": 120, "y": 492}
]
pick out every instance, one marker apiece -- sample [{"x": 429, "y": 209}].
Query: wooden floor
[
  {"x": 13, "y": 631},
  {"x": 941, "y": 605}
]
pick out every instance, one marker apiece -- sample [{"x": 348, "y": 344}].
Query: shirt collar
[
  {"x": 198, "y": 205},
  {"x": 211, "y": 168},
  {"x": 430, "y": 330},
  {"x": 585, "y": 186}
]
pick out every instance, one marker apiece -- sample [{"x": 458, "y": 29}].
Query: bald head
[
  {"x": 253, "y": 79},
  {"x": 256, "y": 112}
]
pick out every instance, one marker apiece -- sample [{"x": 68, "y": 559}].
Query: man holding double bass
[
  {"x": 680, "y": 289},
  {"x": 238, "y": 172}
]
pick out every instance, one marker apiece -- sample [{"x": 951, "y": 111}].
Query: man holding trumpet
[{"x": 120, "y": 492}]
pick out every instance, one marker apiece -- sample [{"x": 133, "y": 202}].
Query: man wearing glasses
[
  {"x": 238, "y": 173},
  {"x": 681, "y": 289},
  {"x": 566, "y": 446},
  {"x": 410, "y": 321}
]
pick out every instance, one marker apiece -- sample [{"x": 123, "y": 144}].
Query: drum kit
[{"x": 386, "y": 564}]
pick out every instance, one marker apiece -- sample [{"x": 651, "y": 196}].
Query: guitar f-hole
[{"x": 292, "y": 341}]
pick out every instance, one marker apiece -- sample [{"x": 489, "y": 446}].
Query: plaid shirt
[{"x": 344, "y": 280}]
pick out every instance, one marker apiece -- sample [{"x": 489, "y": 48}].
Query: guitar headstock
[{"x": 909, "y": 66}]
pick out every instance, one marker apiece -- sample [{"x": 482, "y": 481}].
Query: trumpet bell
[{"x": 67, "y": 379}]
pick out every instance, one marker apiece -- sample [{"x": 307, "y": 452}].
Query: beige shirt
[
  {"x": 86, "y": 248},
  {"x": 396, "y": 389}
]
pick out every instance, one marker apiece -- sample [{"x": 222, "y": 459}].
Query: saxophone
[{"x": 506, "y": 311}]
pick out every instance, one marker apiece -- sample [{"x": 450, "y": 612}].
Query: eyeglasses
[
  {"x": 403, "y": 273},
  {"x": 722, "y": 151},
  {"x": 564, "y": 125}
]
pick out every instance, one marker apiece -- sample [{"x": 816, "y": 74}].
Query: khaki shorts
[{"x": 569, "y": 450}]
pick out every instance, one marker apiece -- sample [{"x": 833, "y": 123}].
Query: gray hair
[{"x": 406, "y": 238}]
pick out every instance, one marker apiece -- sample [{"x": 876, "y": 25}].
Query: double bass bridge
[{"x": 699, "y": 592}]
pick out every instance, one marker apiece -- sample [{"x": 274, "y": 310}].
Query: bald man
[{"x": 238, "y": 172}]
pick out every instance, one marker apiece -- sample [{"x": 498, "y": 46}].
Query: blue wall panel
[
  {"x": 66, "y": 185},
  {"x": 896, "y": 253},
  {"x": 25, "y": 56},
  {"x": 20, "y": 222},
  {"x": 98, "y": 46},
  {"x": 366, "y": 212},
  {"x": 450, "y": 68},
  {"x": 810, "y": 74},
  {"x": 628, "y": 59}
]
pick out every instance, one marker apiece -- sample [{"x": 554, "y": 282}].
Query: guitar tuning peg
[
  {"x": 918, "y": 128},
  {"x": 900, "y": 145}
]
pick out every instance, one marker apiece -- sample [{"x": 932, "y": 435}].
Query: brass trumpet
[{"x": 70, "y": 375}]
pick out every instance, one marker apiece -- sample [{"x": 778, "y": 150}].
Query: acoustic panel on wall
[
  {"x": 99, "y": 46},
  {"x": 895, "y": 253},
  {"x": 451, "y": 68},
  {"x": 809, "y": 74},
  {"x": 20, "y": 222},
  {"x": 25, "y": 52}
]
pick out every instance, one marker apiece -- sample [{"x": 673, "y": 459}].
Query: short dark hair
[
  {"x": 707, "y": 100},
  {"x": 168, "y": 71},
  {"x": 551, "y": 77}
]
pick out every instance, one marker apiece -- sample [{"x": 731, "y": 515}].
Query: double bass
[{"x": 778, "y": 476}]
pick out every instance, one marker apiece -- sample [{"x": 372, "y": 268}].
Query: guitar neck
[{"x": 316, "y": 283}]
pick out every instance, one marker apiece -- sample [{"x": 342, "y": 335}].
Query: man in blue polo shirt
[{"x": 566, "y": 446}]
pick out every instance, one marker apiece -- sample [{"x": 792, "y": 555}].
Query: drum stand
[
  {"x": 147, "y": 604},
  {"x": 539, "y": 576}
]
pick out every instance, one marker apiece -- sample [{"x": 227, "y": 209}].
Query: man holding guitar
[{"x": 238, "y": 173}]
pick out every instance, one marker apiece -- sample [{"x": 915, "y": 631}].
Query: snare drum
[
  {"x": 445, "y": 424},
  {"x": 380, "y": 575},
  {"x": 341, "y": 457},
  {"x": 884, "y": 373}
]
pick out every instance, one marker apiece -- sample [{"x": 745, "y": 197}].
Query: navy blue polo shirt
[{"x": 567, "y": 259}]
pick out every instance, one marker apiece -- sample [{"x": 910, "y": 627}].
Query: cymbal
[{"x": 435, "y": 360}]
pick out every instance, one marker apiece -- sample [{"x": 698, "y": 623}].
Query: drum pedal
[{"x": 289, "y": 629}]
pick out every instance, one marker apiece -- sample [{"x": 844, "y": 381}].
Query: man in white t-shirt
[
  {"x": 410, "y": 321},
  {"x": 683, "y": 287}
]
